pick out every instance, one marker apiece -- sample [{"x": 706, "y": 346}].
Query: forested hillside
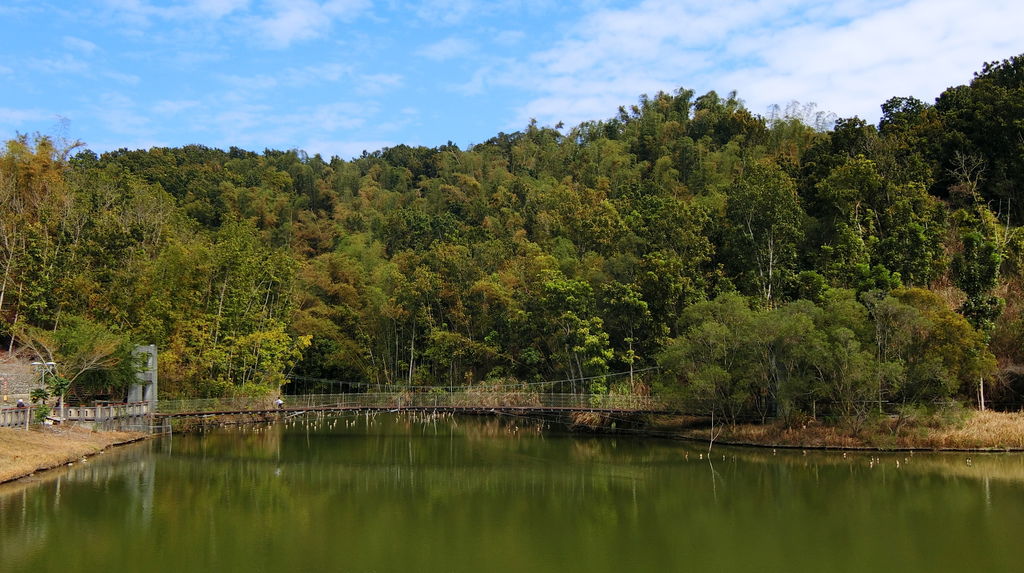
[{"x": 781, "y": 265}]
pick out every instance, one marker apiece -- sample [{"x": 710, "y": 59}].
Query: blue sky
[{"x": 338, "y": 77}]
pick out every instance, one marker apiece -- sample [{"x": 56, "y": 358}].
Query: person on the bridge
[
  {"x": 279, "y": 403},
  {"x": 20, "y": 404}
]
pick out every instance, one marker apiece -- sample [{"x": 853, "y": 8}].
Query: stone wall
[{"x": 20, "y": 378}]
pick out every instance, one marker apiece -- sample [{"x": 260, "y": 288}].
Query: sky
[{"x": 340, "y": 77}]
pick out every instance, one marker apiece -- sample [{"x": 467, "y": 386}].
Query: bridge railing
[
  {"x": 104, "y": 412},
  {"x": 398, "y": 400},
  {"x": 16, "y": 417},
  {"x": 23, "y": 417}
]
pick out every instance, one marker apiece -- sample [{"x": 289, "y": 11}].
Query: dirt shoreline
[{"x": 25, "y": 452}]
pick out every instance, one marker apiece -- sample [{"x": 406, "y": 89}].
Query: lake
[{"x": 402, "y": 492}]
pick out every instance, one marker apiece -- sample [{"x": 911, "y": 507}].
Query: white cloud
[
  {"x": 219, "y": 8},
  {"x": 446, "y": 49},
  {"x": 296, "y": 20},
  {"x": 13, "y": 11},
  {"x": 407, "y": 117},
  {"x": 79, "y": 45},
  {"x": 250, "y": 84},
  {"x": 66, "y": 64},
  {"x": 142, "y": 12},
  {"x": 478, "y": 83},
  {"x": 448, "y": 12},
  {"x": 331, "y": 117},
  {"x": 374, "y": 84},
  {"x": 129, "y": 79},
  {"x": 191, "y": 58},
  {"x": 347, "y": 10},
  {"x": 271, "y": 23},
  {"x": 256, "y": 126},
  {"x": 292, "y": 21},
  {"x": 310, "y": 75},
  {"x": 121, "y": 115},
  {"x": 16, "y": 117},
  {"x": 242, "y": 117},
  {"x": 847, "y": 56},
  {"x": 247, "y": 87},
  {"x": 509, "y": 37},
  {"x": 918, "y": 48},
  {"x": 497, "y": 73},
  {"x": 174, "y": 107}
]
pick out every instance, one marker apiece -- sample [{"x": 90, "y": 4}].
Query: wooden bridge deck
[{"x": 515, "y": 403}]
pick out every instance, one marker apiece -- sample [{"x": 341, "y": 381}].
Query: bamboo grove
[{"x": 795, "y": 264}]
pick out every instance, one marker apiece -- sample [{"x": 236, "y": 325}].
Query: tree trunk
[
  {"x": 412, "y": 352},
  {"x": 632, "y": 387}
]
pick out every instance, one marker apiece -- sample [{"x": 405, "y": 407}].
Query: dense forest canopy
[{"x": 777, "y": 265}]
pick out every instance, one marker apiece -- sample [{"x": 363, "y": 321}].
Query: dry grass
[
  {"x": 984, "y": 430},
  {"x": 25, "y": 452},
  {"x": 588, "y": 420},
  {"x": 973, "y": 431},
  {"x": 810, "y": 435}
]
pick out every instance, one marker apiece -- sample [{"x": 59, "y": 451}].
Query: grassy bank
[
  {"x": 967, "y": 430},
  {"x": 25, "y": 452}
]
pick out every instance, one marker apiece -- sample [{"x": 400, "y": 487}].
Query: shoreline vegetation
[
  {"x": 969, "y": 431},
  {"x": 24, "y": 453}
]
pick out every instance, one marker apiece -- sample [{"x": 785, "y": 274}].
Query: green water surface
[{"x": 435, "y": 493}]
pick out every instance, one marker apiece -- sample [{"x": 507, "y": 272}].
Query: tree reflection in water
[{"x": 432, "y": 492}]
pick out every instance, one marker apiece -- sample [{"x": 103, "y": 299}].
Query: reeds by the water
[{"x": 971, "y": 431}]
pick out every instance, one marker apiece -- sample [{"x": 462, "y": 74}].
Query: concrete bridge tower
[{"x": 146, "y": 388}]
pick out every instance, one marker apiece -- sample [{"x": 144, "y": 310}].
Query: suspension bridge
[
  {"x": 536, "y": 399},
  {"x": 140, "y": 415}
]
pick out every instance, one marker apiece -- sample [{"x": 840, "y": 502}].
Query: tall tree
[{"x": 767, "y": 223}]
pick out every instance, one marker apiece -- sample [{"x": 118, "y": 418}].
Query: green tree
[
  {"x": 630, "y": 326},
  {"x": 782, "y": 343},
  {"x": 943, "y": 354},
  {"x": 76, "y": 348},
  {"x": 577, "y": 338},
  {"x": 767, "y": 224},
  {"x": 712, "y": 359},
  {"x": 982, "y": 121},
  {"x": 846, "y": 380},
  {"x": 976, "y": 272}
]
